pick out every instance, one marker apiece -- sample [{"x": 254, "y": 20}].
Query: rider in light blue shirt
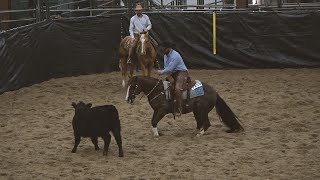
[
  {"x": 177, "y": 73},
  {"x": 173, "y": 62}
]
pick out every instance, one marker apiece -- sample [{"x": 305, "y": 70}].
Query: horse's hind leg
[
  {"x": 202, "y": 119},
  {"x": 206, "y": 122},
  {"x": 198, "y": 118}
]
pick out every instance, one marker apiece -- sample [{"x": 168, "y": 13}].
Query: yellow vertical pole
[{"x": 214, "y": 41}]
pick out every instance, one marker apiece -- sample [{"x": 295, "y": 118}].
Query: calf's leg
[
  {"x": 117, "y": 136},
  {"x": 77, "y": 140},
  {"x": 95, "y": 142},
  {"x": 106, "y": 140}
]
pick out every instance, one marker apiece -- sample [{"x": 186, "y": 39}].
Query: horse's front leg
[
  {"x": 143, "y": 68},
  {"x": 149, "y": 70},
  {"x": 123, "y": 68},
  {"x": 157, "y": 116},
  {"x": 132, "y": 68}
]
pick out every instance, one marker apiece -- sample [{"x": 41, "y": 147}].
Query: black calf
[{"x": 96, "y": 122}]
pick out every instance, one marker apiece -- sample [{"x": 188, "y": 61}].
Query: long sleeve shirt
[
  {"x": 138, "y": 24},
  {"x": 173, "y": 62}
]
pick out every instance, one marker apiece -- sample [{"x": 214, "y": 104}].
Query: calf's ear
[
  {"x": 89, "y": 105},
  {"x": 74, "y": 104}
]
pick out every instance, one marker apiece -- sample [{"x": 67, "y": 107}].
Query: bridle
[
  {"x": 139, "y": 46},
  {"x": 136, "y": 87}
]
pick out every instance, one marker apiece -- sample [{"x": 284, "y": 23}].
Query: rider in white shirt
[{"x": 139, "y": 23}]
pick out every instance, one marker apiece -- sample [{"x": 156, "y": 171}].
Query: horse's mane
[{"x": 146, "y": 77}]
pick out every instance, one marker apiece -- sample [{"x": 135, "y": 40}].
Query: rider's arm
[
  {"x": 131, "y": 27},
  {"x": 149, "y": 24},
  {"x": 171, "y": 66}
]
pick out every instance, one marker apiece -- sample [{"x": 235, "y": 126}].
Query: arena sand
[{"x": 280, "y": 110}]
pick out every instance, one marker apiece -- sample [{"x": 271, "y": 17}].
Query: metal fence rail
[{"x": 84, "y": 8}]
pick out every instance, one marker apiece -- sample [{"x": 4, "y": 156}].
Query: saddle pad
[{"x": 196, "y": 90}]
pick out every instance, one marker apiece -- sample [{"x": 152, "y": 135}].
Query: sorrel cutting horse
[
  {"x": 200, "y": 106},
  {"x": 124, "y": 49},
  {"x": 145, "y": 54}
]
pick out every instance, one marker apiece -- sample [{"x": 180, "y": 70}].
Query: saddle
[{"x": 191, "y": 90}]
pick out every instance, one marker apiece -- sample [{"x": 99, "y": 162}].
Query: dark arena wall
[{"x": 71, "y": 47}]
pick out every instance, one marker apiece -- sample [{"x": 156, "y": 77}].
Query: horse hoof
[
  {"x": 201, "y": 132},
  {"x": 231, "y": 131}
]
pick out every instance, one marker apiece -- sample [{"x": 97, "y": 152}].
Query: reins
[{"x": 152, "y": 90}]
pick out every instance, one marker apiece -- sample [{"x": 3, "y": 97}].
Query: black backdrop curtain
[{"x": 90, "y": 45}]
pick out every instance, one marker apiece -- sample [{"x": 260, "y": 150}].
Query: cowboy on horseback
[
  {"x": 139, "y": 23},
  {"x": 177, "y": 72}
]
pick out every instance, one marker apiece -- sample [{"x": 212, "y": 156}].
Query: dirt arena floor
[{"x": 280, "y": 110}]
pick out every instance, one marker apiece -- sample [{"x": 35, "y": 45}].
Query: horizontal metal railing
[
  {"x": 66, "y": 4},
  {"x": 105, "y": 8}
]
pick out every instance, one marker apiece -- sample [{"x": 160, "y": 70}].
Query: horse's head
[
  {"x": 133, "y": 89},
  {"x": 143, "y": 43}
]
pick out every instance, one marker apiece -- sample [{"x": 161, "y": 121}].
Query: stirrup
[{"x": 129, "y": 61}]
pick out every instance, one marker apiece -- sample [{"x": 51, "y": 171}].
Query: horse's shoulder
[
  {"x": 126, "y": 42},
  {"x": 126, "y": 38}
]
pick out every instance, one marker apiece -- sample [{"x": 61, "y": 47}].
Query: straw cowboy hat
[{"x": 138, "y": 7}]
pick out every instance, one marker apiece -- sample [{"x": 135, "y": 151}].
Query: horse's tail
[{"x": 227, "y": 116}]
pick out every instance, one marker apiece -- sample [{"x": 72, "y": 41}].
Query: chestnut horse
[
  {"x": 146, "y": 53},
  {"x": 200, "y": 106},
  {"x": 124, "y": 49}
]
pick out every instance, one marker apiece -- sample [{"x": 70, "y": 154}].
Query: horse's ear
[
  {"x": 132, "y": 79},
  {"x": 129, "y": 79},
  {"x": 74, "y": 104}
]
